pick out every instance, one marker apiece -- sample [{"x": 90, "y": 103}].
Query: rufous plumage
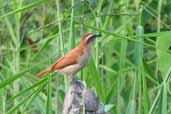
[{"x": 75, "y": 60}]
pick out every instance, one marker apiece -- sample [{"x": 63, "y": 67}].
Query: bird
[{"x": 75, "y": 60}]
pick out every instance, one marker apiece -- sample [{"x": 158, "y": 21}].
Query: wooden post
[{"x": 80, "y": 100}]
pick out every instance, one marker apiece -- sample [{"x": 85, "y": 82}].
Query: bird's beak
[
  {"x": 93, "y": 37},
  {"x": 98, "y": 35}
]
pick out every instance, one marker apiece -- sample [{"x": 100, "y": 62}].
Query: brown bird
[{"x": 75, "y": 60}]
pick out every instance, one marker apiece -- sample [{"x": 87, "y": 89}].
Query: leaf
[
  {"x": 31, "y": 96},
  {"x": 30, "y": 88},
  {"x": 110, "y": 93},
  {"x": 49, "y": 99},
  {"x": 108, "y": 69},
  {"x": 131, "y": 107},
  {"x": 162, "y": 103},
  {"x": 163, "y": 59},
  {"x": 145, "y": 93},
  {"x": 13, "y": 78},
  {"x": 24, "y": 8},
  {"x": 150, "y": 73},
  {"x": 96, "y": 79},
  {"x": 108, "y": 107}
]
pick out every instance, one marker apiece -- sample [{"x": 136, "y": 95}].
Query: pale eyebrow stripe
[{"x": 88, "y": 36}]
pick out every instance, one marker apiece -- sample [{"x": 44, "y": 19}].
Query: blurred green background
[{"x": 131, "y": 63}]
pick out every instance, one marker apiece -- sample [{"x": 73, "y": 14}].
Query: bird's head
[{"x": 88, "y": 38}]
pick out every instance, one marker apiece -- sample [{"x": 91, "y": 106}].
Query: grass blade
[
  {"x": 13, "y": 78},
  {"x": 24, "y": 8}
]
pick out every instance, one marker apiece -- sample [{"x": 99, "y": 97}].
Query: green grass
[{"x": 131, "y": 64}]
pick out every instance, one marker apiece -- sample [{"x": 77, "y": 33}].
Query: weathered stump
[{"x": 79, "y": 99}]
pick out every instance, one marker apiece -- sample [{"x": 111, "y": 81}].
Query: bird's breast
[{"x": 84, "y": 59}]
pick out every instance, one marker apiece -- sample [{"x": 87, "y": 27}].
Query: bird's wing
[{"x": 68, "y": 59}]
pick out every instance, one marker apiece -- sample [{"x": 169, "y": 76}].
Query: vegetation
[{"x": 131, "y": 64}]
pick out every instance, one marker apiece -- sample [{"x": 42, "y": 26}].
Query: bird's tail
[{"x": 40, "y": 74}]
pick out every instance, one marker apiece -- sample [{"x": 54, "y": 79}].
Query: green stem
[
  {"x": 49, "y": 101},
  {"x": 71, "y": 35},
  {"x": 122, "y": 60}
]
